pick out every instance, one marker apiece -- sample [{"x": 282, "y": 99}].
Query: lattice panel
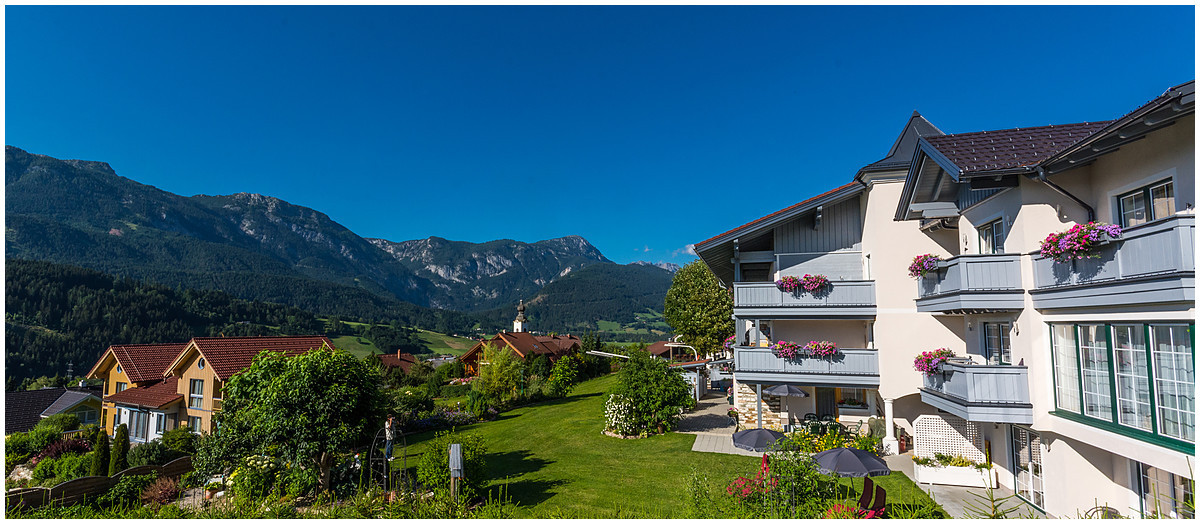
[{"x": 950, "y": 435}]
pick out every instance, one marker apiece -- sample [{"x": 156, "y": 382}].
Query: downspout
[{"x": 1041, "y": 176}]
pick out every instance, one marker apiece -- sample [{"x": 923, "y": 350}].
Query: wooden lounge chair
[
  {"x": 880, "y": 502},
  {"x": 864, "y": 501}
]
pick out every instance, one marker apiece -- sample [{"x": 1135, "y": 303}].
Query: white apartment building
[{"x": 1076, "y": 378}]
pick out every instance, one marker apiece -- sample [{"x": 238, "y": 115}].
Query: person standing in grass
[{"x": 389, "y": 429}]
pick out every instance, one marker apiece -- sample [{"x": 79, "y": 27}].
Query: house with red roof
[
  {"x": 154, "y": 388},
  {"x": 523, "y": 344},
  {"x": 404, "y": 361}
]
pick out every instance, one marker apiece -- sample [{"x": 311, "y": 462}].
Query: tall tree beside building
[
  {"x": 120, "y": 450},
  {"x": 698, "y": 308},
  {"x": 100, "y": 459}
]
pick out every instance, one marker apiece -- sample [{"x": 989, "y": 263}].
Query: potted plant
[
  {"x": 814, "y": 283},
  {"x": 788, "y": 283},
  {"x": 1081, "y": 241},
  {"x": 730, "y": 342},
  {"x": 930, "y": 362},
  {"x": 788, "y": 350},
  {"x": 733, "y": 412},
  {"x": 953, "y": 470},
  {"x": 211, "y": 489},
  {"x": 923, "y": 264},
  {"x": 820, "y": 348}
]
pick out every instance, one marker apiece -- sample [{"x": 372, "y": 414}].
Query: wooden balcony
[
  {"x": 840, "y": 299},
  {"x": 972, "y": 283},
  {"x": 1151, "y": 263},
  {"x": 981, "y": 393},
  {"x": 852, "y": 368}
]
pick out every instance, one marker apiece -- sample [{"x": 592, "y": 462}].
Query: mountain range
[{"x": 262, "y": 248}]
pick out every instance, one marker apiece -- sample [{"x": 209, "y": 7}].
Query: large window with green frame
[{"x": 1136, "y": 378}]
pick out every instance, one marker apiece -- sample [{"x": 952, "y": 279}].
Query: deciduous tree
[{"x": 698, "y": 308}]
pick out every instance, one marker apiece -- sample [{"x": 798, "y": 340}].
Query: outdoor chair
[
  {"x": 828, "y": 418},
  {"x": 880, "y": 502},
  {"x": 810, "y": 417},
  {"x": 864, "y": 501},
  {"x": 816, "y": 428}
]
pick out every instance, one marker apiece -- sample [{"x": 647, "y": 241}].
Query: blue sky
[{"x": 643, "y": 129}]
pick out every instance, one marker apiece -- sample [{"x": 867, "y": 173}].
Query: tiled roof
[
  {"x": 229, "y": 355},
  {"x": 153, "y": 396},
  {"x": 659, "y": 348},
  {"x": 404, "y": 361},
  {"x": 23, "y": 409},
  {"x": 901, "y": 153},
  {"x": 68, "y": 400},
  {"x": 1010, "y": 148},
  {"x": 145, "y": 362},
  {"x": 564, "y": 342}
]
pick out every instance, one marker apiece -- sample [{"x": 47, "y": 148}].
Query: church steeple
[{"x": 519, "y": 322}]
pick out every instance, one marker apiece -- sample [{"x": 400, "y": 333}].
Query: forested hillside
[{"x": 57, "y": 315}]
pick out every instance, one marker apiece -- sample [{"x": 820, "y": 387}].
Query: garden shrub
[
  {"x": 478, "y": 403},
  {"x": 540, "y": 366},
  {"x": 562, "y": 377},
  {"x": 413, "y": 400},
  {"x": 181, "y": 439},
  {"x": 44, "y": 470},
  {"x": 128, "y": 490},
  {"x": 100, "y": 456},
  {"x": 456, "y": 390},
  {"x": 153, "y": 453},
  {"x": 62, "y": 447},
  {"x": 31, "y": 442},
  {"x": 432, "y": 470},
  {"x": 298, "y": 482},
  {"x": 163, "y": 491},
  {"x": 12, "y": 460},
  {"x": 503, "y": 377},
  {"x": 119, "y": 460},
  {"x": 60, "y": 422},
  {"x": 656, "y": 395},
  {"x": 255, "y": 477}
]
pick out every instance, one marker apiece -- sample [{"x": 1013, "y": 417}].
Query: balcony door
[
  {"x": 826, "y": 402},
  {"x": 1027, "y": 459}
]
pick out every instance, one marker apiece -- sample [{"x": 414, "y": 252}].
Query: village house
[
  {"x": 153, "y": 388},
  {"x": 522, "y": 343},
  {"x": 24, "y": 409},
  {"x": 1067, "y": 373}
]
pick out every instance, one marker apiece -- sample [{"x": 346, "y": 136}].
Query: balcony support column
[
  {"x": 890, "y": 444},
  {"x": 758, "y": 394}
]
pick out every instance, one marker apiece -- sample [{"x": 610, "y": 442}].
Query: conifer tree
[
  {"x": 100, "y": 455},
  {"x": 120, "y": 450}
]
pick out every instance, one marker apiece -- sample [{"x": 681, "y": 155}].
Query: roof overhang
[
  {"x": 106, "y": 360},
  {"x": 717, "y": 252},
  {"x": 1176, "y": 103},
  {"x": 183, "y": 355}
]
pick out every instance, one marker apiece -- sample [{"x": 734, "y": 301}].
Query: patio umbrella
[
  {"x": 850, "y": 462},
  {"x": 757, "y": 440},
  {"x": 785, "y": 390}
]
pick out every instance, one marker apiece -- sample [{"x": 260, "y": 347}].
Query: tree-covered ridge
[
  {"x": 604, "y": 292},
  {"x": 58, "y": 315}
]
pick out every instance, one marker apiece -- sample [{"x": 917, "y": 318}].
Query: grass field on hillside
[
  {"x": 351, "y": 344},
  {"x": 441, "y": 344},
  {"x": 553, "y": 460}
]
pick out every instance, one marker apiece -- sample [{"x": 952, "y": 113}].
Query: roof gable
[
  {"x": 153, "y": 396},
  {"x": 140, "y": 362},
  {"x": 901, "y": 153},
  {"x": 228, "y": 355}
]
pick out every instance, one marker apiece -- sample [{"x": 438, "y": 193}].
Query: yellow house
[{"x": 153, "y": 388}]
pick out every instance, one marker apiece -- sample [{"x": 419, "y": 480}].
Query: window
[
  {"x": 200, "y": 363},
  {"x": 1027, "y": 457},
  {"x": 1093, "y": 355},
  {"x": 991, "y": 237},
  {"x": 86, "y": 416},
  {"x": 194, "y": 424},
  {"x": 196, "y": 397},
  {"x": 1174, "y": 380},
  {"x": 161, "y": 423},
  {"x": 121, "y": 386},
  {"x": 139, "y": 422},
  {"x": 854, "y": 398},
  {"x": 1066, "y": 368},
  {"x": 1148, "y": 203},
  {"x": 1134, "y": 379},
  {"x": 997, "y": 343},
  {"x": 1133, "y": 376},
  {"x": 1164, "y": 494}
]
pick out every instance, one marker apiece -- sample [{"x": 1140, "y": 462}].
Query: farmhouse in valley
[{"x": 522, "y": 343}]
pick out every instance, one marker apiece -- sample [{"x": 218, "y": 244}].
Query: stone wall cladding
[{"x": 747, "y": 401}]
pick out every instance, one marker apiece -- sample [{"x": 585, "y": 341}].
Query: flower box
[{"x": 967, "y": 476}]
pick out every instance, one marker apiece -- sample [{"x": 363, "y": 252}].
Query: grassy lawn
[
  {"x": 554, "y": 461},
  {"x": 441, "y": 344},
  {"x": 351, "y": 344}
]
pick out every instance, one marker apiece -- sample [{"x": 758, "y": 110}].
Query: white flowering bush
[
  {"x": 618, "y": 416},
  {"x": 255, "y": 477}
]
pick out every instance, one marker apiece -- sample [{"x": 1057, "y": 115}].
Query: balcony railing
[
  {"x": 838, "y": 298},
  {"x": 981, "y": 393},
  {"x": 1150, "y": 263},
  {"x": 972, "y": 283},
  {"x": 852, "y": 367}
]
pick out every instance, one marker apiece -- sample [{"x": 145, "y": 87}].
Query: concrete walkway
[
  {"x": 956, "y": 500},
  {"x": 713, "y": 427}
]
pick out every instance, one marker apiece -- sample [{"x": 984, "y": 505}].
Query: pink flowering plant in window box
[
  {"x": 820, "y": 348},
  {"x": 923, "y": 265},
  {"x": 930, "y": 362},
  {"x": 730, "y": 342},
  {"x": 814, "y": 283},
  {"x": 1078, "y": 242},
  {"x": 788, "y": 350},
  {"x": 788, "y": 284}
]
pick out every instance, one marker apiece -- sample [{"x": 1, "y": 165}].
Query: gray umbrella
[
  {"x": 785, "y": 390},
  {"x": 757, "y": 440},
  {"x": 850, "y": 462}
]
